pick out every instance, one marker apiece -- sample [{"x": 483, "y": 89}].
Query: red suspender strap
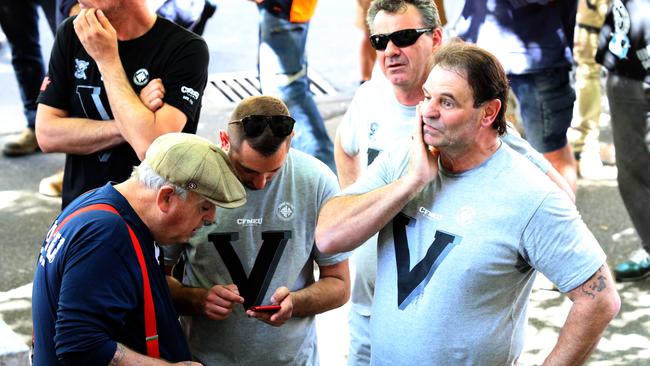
[{"x": 151, "y": 333}]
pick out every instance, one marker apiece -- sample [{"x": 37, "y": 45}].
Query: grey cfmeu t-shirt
[
  {"x": 456, "y": 265},
  {"x": 376, "y": 121},
  {"x": 261, "y": 246}
]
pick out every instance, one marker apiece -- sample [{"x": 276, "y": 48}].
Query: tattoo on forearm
[
  {"x": 120, "y": 353},
  {"x": 597, "y": 283}
]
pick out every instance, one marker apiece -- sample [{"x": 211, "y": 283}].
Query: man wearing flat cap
[{"x": 100, "y": 294}]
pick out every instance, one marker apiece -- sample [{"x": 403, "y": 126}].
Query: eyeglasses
[
  {"x": 401, "y": 38},
  {"x": 254, "y": 125}
]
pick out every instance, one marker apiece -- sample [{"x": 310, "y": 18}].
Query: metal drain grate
[{"x": 233, "y": 87}]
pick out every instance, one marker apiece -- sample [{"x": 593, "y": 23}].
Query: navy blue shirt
[{"x": 88, "y": 288}]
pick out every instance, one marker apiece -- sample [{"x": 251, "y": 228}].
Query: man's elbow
[
  {"x": 325, "y": 241},
  {"x": 345, "y": 294},
  {"x": 43, "y": 136},
  {"x": 611, "y": 306}
]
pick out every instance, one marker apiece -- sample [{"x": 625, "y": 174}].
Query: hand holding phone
[{"x": 265, "y": 308}]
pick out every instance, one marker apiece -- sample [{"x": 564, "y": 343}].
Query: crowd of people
[{"x": 140, "y": 268}]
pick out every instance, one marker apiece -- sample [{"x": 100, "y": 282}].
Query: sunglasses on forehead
[
  {"x": 254, "y": 125},
  {"x": 401, "y": 38}
]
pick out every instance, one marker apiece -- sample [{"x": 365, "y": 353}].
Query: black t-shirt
[
  {"x": 169, "y": 52},
  {"x": 624, "y": 47}
]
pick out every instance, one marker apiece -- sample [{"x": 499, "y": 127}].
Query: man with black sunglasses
[
  {"x": 406, "y": 34},
  {"x": 262, "y": 253}
]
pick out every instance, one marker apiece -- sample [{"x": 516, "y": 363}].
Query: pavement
[{"x": 25, "y": 215}]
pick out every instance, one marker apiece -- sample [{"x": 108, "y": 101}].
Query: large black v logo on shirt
[
  {"x": 252, "y": 288},
  {"x": 409, "y": 280}
]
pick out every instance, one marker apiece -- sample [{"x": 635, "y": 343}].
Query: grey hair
[
  {"x": 150, "y": 179},
  {"x": 427, "y": 8}
]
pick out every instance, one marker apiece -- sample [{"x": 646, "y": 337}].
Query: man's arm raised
[
  {"x": 136, "y": 122},
  {"x": 347, "y": 221}
]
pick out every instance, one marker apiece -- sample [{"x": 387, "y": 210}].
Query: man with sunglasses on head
[
  {"x": 262, "y": 253},
  {"x": 406, "y": 34}
]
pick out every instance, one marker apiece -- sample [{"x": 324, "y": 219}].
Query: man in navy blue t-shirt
[{"x": 100, "y": 294}]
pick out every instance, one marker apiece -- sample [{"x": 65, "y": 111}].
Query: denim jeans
[
  {"x": 546, "y": 101},
  {"x": 19, "y": 21},
  {"x": 282, "y": 67},
  {"x": 629, "y": 105}
]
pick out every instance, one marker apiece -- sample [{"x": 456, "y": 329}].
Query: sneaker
[
  {"x": 52, "y": 186},
  {"x": 635, "y": 269},
  {"x": 591, "y": 167},
  {"x": 24, "y": 144}
]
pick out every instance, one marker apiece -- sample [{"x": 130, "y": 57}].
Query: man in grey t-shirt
[
  {"x": 262, "y": 253},
  {"x": 380, "y": 115},
  {"x": 465, "y": 223}
]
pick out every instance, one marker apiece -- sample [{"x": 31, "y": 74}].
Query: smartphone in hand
[{"x": 265, "y": 308}]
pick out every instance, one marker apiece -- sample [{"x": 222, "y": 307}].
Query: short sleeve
[
  {"x": 53, "y": 88},
  {"x": 386, "y": 168},
  {"x": 187, "y": 76},
  {"x": 350, "y": 129},
  {"x": 329, "y": 259},
  {"x": 557, "y": 243},
  {"x": 328, "y": 186}
]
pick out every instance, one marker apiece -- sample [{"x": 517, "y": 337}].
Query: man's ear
[
  {"x": 491, "y": 110},
  {"x": 225, "y": 140},
  {"x": 436, "y": 35},
  {"x": 164, "y": 198}
]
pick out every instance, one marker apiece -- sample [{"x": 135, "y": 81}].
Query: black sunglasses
[
  {"x": 254, "y": 125},
  {"x": 401, "y": 38}
]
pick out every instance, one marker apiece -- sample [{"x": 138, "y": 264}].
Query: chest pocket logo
[
  {"x": 252, "y": 288},
  {"x": 285, "y": 211},
  {"x": 410, "y": 283},
  {"x": 80, "y": 68},
  {"x": 141, "y": 77}
]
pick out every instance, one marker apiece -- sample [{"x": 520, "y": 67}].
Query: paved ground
[{"x": 25, "y": 215}]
